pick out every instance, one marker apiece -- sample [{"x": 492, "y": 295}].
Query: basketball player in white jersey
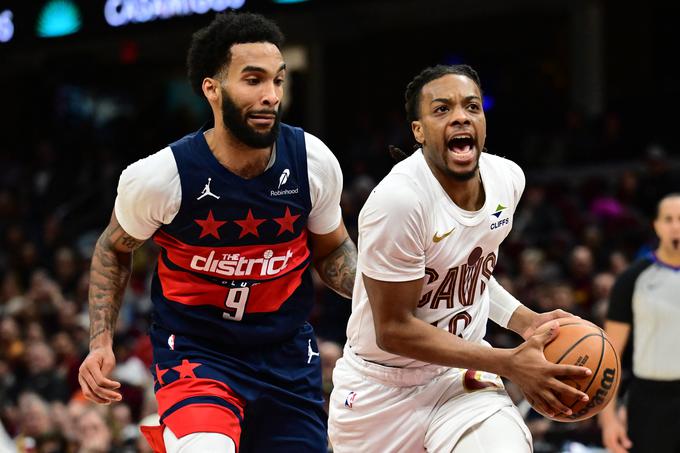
[{"x": 428, "y": 243}]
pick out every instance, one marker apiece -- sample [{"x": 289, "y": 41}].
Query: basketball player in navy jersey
[{"x": 240, "y": 210}]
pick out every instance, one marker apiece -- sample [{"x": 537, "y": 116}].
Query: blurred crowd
[{"x": 576, "y": 229}]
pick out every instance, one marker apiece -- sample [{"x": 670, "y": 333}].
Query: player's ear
[
  {"x": 656, "y": 225},
  {"x": 417, "y": 128},
  {"x": 211, "y": 89}
]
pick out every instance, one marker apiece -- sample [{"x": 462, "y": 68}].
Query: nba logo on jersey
[
  {"x": 171, "y": 342},
  {"x": 349, "y": 401}
]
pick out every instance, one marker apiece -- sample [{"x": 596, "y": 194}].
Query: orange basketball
[{"x": 582, "y": 343}]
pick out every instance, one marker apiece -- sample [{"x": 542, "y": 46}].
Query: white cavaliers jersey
[{"x": 410, "y": 228}]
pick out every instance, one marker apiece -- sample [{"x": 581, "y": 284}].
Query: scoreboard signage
[
  {"x": 121, "y": 12},
  {"x": 6, "y": 26},
  {"x": 28, "y": 23}
]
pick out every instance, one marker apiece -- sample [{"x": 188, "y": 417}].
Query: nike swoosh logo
[{"x": 437, "y": 238}]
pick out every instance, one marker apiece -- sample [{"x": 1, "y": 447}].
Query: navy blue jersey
[{"x": 234, "y": 262}]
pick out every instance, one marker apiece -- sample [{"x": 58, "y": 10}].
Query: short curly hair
[
  {"x": 210, "y": 49},
  {"x": 415, "y": 87}
]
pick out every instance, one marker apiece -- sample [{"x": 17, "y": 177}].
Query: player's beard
[
  {"x": 464, "y": 176},
  {"x": 238, "y": 125}
]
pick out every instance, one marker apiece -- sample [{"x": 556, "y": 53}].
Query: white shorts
[
  {"x": 374, "y": 408},
  {"x": 198, "y": 443}
]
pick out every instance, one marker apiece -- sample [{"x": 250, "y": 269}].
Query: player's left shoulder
[
  {"x": 505, "y": 169},
  {"x": 319, "y": 156},
  {"x": 316, "y": 147},
  {"x": 501, "y": 162}
]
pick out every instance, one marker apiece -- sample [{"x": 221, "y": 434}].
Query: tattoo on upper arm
[
  {"x": 130, "y": 242},
  {"x": 109, "y": 275},
  {"x": 338, "y": 269}
]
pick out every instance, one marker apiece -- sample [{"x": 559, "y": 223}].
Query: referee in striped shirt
[{"x": 646, "y": 298}]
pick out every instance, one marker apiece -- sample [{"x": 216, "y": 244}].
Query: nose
[
  {"x": 459, "y": 116},
  {"x": 271, "y": 95}
]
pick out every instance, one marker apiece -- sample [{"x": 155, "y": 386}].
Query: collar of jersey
[
  {"x": 467, "y": 218},
  {"x": 203, "y": 150}
]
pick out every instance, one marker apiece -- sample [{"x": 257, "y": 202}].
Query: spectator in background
[
  {"x": 66, "y": 270},
  {"x": 12, "y": 297},
  {"x": 534, "y": 271},
  {"x": 67, "y": 359},
  {"x": 537, "y": 218},
  {"x": 34, "y": 422},
  {"x": 659, "y": 178},
  {"x": 645, "y": 298},
  {"x": 41, "y": 374},
  {"x": 7, "y": 384},
  {"x": 93, "y": 433},
  {"x": 11, "y": 343},
  {"x": 617, "y": 262},
  {"x": 580, "y": 267},
  {"x": 124, "y": 431},
  {"x": 602, "y": 287},
  {"x": 35, "y": 332}
]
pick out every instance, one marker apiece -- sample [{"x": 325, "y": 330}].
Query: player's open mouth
[
  {"x": 676, "y": 244},
  {"x": 462, "y": 146}
]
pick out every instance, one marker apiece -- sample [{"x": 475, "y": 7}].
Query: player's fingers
[
  {"x": 96, "y": 390},
  {"x": 614, "y": 440},
  {"x": 550, "y": 334},
  {"x": 566, "y": 391},
  {"x": 616, "y": 447},
  {"x": 625, "y": 440},
  {"x": 101, "y": 392},
  {"x": 613, "y": 447},
  {"x": 556, "y": 406},
  {"x": 559, "y": 313},
  {"x": 540, "y": 404},
  {"x": 88, "y": 393},
  {"x": 100, "y": 379},
  {"x": 570, "y": 371}
]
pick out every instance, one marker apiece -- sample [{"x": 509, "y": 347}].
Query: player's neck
[
  {"x": 670, "y": 257},
  {"x": 234, "y": 155},
  {"x": 468, "y": 195}
]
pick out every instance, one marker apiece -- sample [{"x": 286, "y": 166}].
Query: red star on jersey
[
  {"x": 209, "y": 226},
  {"x": 186, "y": 369},
  {"x": 159, "y": 374},
  {"x": 249, "y": 224},
  {"x": 286, "y": 222}
]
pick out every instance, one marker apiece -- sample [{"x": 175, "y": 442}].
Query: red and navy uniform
[{"x": 231, "y": 292}]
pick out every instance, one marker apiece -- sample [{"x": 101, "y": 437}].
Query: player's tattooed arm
[
  {"x": 335, "y": 258},
  {"x": 109, "y": 274},
  {"x": 338, "y": 269}
]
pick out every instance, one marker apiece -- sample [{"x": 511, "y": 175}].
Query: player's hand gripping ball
[{"x": 582, "y": 343}]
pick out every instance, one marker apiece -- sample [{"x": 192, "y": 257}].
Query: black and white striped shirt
[{"x": 647, "y": 296}]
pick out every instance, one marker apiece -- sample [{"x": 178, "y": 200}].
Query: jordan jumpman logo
[
  {"x": 206, "y": 191},
  {"x": 310, "y": 351}
]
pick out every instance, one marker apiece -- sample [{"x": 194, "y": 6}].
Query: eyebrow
[
  {"x": 473, "y": 97},
  {"x": 260, "y": 69}
]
